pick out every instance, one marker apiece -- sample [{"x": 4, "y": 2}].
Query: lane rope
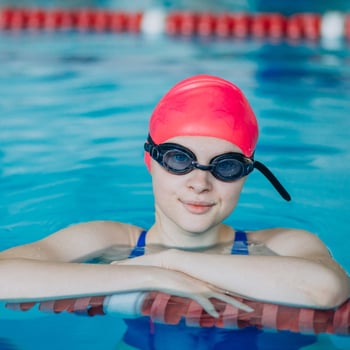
[
  {"x": 310, "y": 26},
  {"x": 169, "y": 309}
]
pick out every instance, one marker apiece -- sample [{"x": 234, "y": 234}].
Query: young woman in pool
[{"x": 200, "y": 150}]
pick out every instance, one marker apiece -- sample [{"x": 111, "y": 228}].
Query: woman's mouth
[{"x": 197, "y": 207}]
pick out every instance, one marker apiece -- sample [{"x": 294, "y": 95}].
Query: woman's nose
[{"x": 199, "y": 180}]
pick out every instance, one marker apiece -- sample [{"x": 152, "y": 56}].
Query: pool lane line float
[
  {"x": 312, "y": 26},
  {"x": 169, "y": 309}
]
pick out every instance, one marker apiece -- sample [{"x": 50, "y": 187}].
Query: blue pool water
[{"x": 73, "y": 118}]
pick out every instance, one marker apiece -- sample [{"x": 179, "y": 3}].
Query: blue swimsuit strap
[
  {"x": 139, "y": 248},
  {"x": 240, "y": 244}
]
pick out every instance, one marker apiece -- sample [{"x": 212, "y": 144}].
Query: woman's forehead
[{"x": 209, "y": 145}]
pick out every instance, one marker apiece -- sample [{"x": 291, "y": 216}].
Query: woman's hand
[{"x": 181, "y": 284}]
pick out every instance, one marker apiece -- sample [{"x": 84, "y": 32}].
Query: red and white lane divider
[
  {"x": 170, "y": 309},
  {"x": 310, "y": 26}
]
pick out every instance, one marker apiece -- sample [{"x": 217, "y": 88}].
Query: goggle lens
[
  {"x": 177, "y": 162},
  {"x": 229, "y": 169}
]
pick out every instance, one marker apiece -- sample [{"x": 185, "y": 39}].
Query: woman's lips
[{"x": 197, "y": 207}]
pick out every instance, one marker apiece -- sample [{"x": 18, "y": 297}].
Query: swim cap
[{"x": 205, "y": 105}]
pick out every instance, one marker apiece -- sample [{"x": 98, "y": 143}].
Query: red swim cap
[{"x": 205, "y": 105}]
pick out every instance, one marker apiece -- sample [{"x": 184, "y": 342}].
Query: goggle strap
[{"x": 272, "y": 178}]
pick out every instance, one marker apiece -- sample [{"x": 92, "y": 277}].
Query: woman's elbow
[{"x": 334, "y": 291}]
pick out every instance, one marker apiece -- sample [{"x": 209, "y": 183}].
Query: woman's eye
[
  {"x": 229, "y": 167},
  {"x": 177, "y": 159},
  {"x": 180, "y": 158}
]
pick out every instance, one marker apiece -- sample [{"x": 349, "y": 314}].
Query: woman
[{"x": 199, "y": 152}]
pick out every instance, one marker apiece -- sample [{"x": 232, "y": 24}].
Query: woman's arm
[
  {"x": 49, "y": 269},
  {"x": 31, "y": 280},
  {"x": 309, "y": 278}
]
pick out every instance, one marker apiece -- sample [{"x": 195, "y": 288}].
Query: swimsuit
[{"x": 239, "y": 246}]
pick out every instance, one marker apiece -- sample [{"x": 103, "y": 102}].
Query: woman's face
[{"x": 195, "y": 202}]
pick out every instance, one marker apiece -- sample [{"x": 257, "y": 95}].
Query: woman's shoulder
[
  {"x": 290, "y": 241},
  {"x": 91, "y": 236},
  {"x": 77, "y": 242},
  {"x": 112, "y": 231}
]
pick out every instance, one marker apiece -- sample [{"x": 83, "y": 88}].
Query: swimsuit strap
[
  {"x": 240, "y": 244},
  {"x": 139, "y": 248}
]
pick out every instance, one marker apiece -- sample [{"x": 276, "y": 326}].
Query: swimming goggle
[{"x": 227, "y": 167}]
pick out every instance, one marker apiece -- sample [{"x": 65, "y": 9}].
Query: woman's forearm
[
  {"x": 24, "y": 279},
  {"x": 32, "y": 280},
  {"x": 275, "y": 279}
]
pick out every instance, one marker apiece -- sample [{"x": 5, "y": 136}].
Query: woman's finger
[
  {"x": 232, "y": 301},
  {"x": 207, "y": 305}
]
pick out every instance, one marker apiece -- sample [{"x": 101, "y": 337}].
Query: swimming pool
[{"x": 74, "y": 113}]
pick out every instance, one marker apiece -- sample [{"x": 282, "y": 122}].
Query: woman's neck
[{"x": 167, "y": 233}]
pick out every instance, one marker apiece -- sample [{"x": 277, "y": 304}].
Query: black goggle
[{"x": 227, "y": 167}]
